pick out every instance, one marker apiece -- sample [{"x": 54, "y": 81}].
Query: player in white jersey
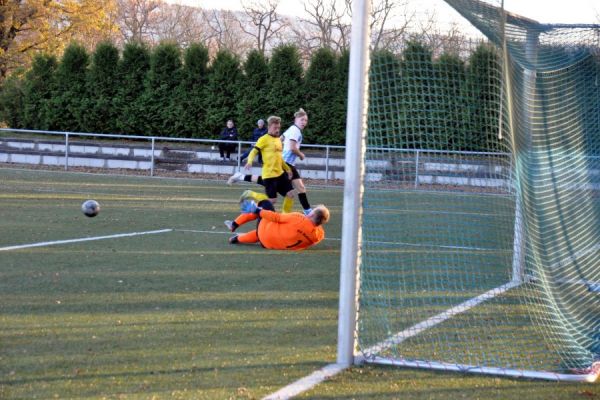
[{"x": 292, "y": 139}]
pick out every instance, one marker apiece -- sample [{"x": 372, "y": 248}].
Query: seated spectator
[
  {"x": 229, "y": 133},
  {"x": 260, "y": 130}
]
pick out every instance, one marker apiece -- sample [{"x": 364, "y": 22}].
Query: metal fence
[{"x": 324, "y": 162}]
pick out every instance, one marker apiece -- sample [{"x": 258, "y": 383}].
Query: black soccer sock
[
  {"x": 248, "y": 178},
  {"x": 303, "y": 200}
]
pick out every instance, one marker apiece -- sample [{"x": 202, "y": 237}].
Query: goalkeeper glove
[{"x": 249, "y": 207}]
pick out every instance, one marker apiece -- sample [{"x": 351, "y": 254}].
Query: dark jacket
[
  {"x": 258, "y": 132},
  {"x": 229, "y": 134}
]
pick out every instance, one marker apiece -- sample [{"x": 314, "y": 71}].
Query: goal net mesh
[{"x": 480, "y": 243}]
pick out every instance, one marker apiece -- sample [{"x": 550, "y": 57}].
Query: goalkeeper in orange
[{"x": 290, "y": 231}]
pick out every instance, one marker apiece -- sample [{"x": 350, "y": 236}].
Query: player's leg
[
  {"x": 252, "y": 195},
  {"x": 244, "y": 218},
  {"x": 252, "y": 236},
  {"x": 241, "y": 177},
  {"x": 298, "y": 185},
  {"x": 249, "y": 237},
  {"x": 285, "y": 188},
  {"x": 288, "y": 202},
  {"x": 239, "y": 221},
  {"x": 271, "y": 188}
]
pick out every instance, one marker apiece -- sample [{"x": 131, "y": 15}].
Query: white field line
[
  {"x": 225, "y": 233},
  {"x": 439, "y": 318},
  {"x": 379, "y": 242},
  {"x": 201, "y": 231},
  {"x": 87, "y": 239},
  {"x": 306, "y": 383}
]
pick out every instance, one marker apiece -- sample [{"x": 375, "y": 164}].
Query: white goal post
[{"x": 356, "y": 125}]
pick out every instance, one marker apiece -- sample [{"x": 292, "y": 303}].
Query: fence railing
[
  {"x": 406, "y": 165},
  {"x": 153, "y": 140}
]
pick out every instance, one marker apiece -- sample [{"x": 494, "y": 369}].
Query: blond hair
[
  {"x": 300, "y": 113},
  {"x": 321, "y": 214},
  {"x": 273, "y": 120}
]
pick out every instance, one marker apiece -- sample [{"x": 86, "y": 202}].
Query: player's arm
[
  {"x": 254, "y": 152},
  {"x": 294, "y": 148}
]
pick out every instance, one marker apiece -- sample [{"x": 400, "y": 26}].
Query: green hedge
[{"x": 418, "y": 101}]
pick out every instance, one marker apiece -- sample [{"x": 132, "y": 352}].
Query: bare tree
[
  {"x": 302, "y": 36},
  {"x": 267, "y": 23},
  {"x": 383, "y": 12},
  {"x": 224, "y": 32},
  {"x": 343, "y": 27},
  {"x": 179, "y": 23},
  {"x": 329, "y": 23},
  {"x": 325, "y": 17},
  {"x": 136, "y": 18},
  {"x": 452, "y": 41}
]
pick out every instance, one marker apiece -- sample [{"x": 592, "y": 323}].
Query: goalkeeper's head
[{"x": 319, "y": 215}]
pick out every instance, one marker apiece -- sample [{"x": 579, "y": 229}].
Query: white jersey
[{"x": 292, "y": 133}]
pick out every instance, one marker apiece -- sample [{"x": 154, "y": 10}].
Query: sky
[{"x": 546, "y": 11}]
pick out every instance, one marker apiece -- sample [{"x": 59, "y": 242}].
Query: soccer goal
[{"x": 471, "y": 227}]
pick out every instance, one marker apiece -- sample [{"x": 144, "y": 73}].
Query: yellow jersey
[{"x": 270, "y": 148}]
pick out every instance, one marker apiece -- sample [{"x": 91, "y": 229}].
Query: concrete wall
[{"x": 431, "y": 170}]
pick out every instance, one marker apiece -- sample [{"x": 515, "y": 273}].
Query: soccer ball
[{"x": 90, "y": 208}]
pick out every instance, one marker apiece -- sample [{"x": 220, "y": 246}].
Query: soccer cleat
[
  {"x": 308, "y": 211},
  {"x": 231, "y": 225},
  {"x": 237, "y": 177},
  {"x": 233, "y": 239}
]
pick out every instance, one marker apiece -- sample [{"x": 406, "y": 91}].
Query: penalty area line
[
  {"x": 225, "y": 232},
  {"x": 87, "y": 239},
  {"x": 306, "y": 383}
]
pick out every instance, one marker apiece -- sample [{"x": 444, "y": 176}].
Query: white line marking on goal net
[
  {"x": 306, "y": 383},
  {"x": 87, "y": 239},
  {"x": 441, "y": 317}
]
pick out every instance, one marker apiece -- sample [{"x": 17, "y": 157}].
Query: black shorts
[
  {"x": 280, "y": 184},
  {"x": 295, "y": 173}
]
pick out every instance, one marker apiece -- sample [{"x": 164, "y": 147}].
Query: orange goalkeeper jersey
[{"x": 292, "y": 231}]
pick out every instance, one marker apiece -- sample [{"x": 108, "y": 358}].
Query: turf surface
[{"x": 180, "y": 314}]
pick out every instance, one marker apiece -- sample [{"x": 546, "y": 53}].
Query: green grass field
[{"x": 180, "y": 314}]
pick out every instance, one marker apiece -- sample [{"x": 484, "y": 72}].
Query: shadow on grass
[{"x": 156, "y": 372}]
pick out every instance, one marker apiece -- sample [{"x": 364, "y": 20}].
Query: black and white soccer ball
[{"x": 90, "y": 208}]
